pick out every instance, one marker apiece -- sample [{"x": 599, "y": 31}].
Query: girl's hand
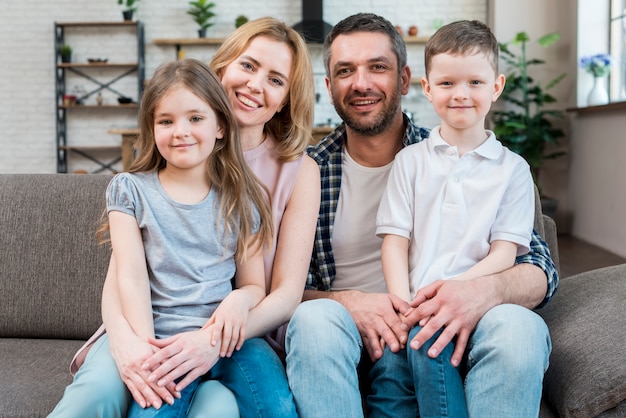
[
  {"x": 190, "y": 354},
  {"x": 229, "y": 322}
]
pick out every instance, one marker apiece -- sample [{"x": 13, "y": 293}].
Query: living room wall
[{"x": 27, "y": 101}]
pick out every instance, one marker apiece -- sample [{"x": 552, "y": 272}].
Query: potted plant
[
  {"x": 524, "y": 125},
  {"x": 240, "y": 20},
  {"x": 202, "y": 13},
  {"x": 129, "y": 8},
  {"x": 65, "y": 51}
]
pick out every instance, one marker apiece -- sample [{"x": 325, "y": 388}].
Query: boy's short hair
[{"x": 464, "y": 37}]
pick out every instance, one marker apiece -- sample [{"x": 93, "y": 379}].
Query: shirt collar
[{"x": 491, "y": 148}]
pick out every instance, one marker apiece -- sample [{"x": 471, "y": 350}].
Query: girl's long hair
[
  {"x": 293, "y": 125},
  {"x": 239, "y": 189}
]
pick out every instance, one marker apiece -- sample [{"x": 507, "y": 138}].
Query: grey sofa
[{"x": 52, "y": 272}]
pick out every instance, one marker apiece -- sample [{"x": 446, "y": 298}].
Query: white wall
[
  {"x": 27, "y": 93},
  {"x": 598, "y": 146},
  {"x": 597, "y": 179}
]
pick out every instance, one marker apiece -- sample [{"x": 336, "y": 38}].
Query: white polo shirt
[{"x": 451, "y": 208}]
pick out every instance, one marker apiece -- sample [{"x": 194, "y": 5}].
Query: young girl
[{"x": 186, "y": 219}]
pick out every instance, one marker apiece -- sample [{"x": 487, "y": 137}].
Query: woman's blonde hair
[
  {"x": 226, "y": 169},
  {"x": 292, "y": 126}
]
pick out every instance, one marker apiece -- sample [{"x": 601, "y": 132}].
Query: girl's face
[
  {"x": 185, "y": 129},
  {"x": 258, "y": 81}
]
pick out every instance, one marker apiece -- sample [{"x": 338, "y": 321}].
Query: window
[{"x": 617, "y": 41}]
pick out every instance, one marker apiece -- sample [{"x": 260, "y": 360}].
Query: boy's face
[{"x": 461, "y": 89}]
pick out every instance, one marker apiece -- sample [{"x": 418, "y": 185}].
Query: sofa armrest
[
  {"x": 550, "y": 237},
  {"x": 587, "y": 372}
]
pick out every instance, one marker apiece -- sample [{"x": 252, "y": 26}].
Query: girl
[{"x": 188, "y": 217}]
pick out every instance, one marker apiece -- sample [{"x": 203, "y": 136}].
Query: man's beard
[{"x": 382, "y": 121}]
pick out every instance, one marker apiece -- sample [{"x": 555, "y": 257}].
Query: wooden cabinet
[{"x": 104, "y": 75}]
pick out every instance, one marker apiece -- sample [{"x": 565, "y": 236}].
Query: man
[{"x": 501, "y": 345}]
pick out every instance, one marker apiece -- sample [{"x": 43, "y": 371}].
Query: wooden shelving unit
[{"x": 114, "y": 71}]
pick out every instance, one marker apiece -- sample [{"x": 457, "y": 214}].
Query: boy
[{"x": 458, "y": 205}]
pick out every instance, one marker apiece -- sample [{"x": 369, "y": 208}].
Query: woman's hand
[
  {"x": 129, "y": 355},
  {"x": 229, "y": 322},
  {"x": 190, "y": 354}
]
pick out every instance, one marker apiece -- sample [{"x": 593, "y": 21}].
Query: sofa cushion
[
  {"x": 52, "y": 266},
  {"x": 35, "y": 373},
  {"x": 587, "y": 318}
]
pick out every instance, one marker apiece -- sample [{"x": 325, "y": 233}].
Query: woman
[{"x": 266, "y": 71}]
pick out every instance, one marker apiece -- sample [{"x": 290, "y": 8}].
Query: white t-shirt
[
  {"x": 355, "y": 246},
  {"x": 452, "y": 208}
]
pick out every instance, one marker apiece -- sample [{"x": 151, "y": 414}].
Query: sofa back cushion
[{"x": 52, "y": 268}]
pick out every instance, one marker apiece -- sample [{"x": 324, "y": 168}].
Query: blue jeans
[
  {"x": 177, "y": 410},
  {"x": 398, "y": 379},
  {"x": 323, "y": 349},
  {"x": 256, "y": 376},
  {"x": 507, "y": 356}
]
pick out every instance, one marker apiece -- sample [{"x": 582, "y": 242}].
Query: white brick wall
[{"x": 27, "y": 107}]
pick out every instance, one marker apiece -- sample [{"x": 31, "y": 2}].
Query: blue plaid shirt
[{"x": 329, "y": 156}]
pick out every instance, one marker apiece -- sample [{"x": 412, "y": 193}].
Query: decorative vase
[
  {"x": 202, "y": 33},
  {"x": 127, "y": 15},
  {"x": 598, "y": 94}
]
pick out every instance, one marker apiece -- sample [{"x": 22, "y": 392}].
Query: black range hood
[{"x": 312, "y": 27}]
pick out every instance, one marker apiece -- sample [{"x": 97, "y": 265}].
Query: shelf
[
  {"x": 103, "y": 76},
  {"x": 415, "y": 39},
  {"x": 103, "y": 106},
  {"x": 96, "y": 65},
  {"x": 598, "y": 108},
  {"x": 218, "y": 41},
  {"x": 188, "y": 41},
  {"x": 101, "y": 23},
  {"x": 91, "y": 147},
  {"x": 179, "y": 43}
]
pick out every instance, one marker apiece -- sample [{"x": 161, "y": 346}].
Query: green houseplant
[
  {"x": 130, "y": 6},
  {"x": 525, "y": 126},
  {"x": 240, "y": 20},
  {"x": 65, "y": 51},
  {"x": 201, "y": 11}
]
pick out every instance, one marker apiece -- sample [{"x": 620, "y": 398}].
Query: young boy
[{"x": 457, "y": 205}]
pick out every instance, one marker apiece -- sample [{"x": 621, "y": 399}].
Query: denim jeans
[
  {"x": 507, "y": 356},
  {"x": 399, "y": 379},
  {"x": 323, "y": 349},
  {"x": 177, "y": 410},
  {"x": 256, "y": 376}
]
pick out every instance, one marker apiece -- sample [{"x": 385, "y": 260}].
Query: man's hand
[
  {"x": 188, "y": 354},
  {"x": 376, "y": 317},
  {"x": 452, "y": 305}
]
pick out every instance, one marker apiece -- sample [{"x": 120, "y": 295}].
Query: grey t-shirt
[{"x": 190, "y": 262}]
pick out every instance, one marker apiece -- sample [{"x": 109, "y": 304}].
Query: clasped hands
[
  {"x": 157, "y": 370},
  {"x": 452, "y": 306}
]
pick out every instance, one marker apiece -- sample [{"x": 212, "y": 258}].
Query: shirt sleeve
[
  {"x": 121, "y": 194},
  {"x": 515, "y": 216},
  {"x": 539, "y": 255}
]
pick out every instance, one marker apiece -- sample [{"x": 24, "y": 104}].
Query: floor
[{"x": 577, "y": 256}]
